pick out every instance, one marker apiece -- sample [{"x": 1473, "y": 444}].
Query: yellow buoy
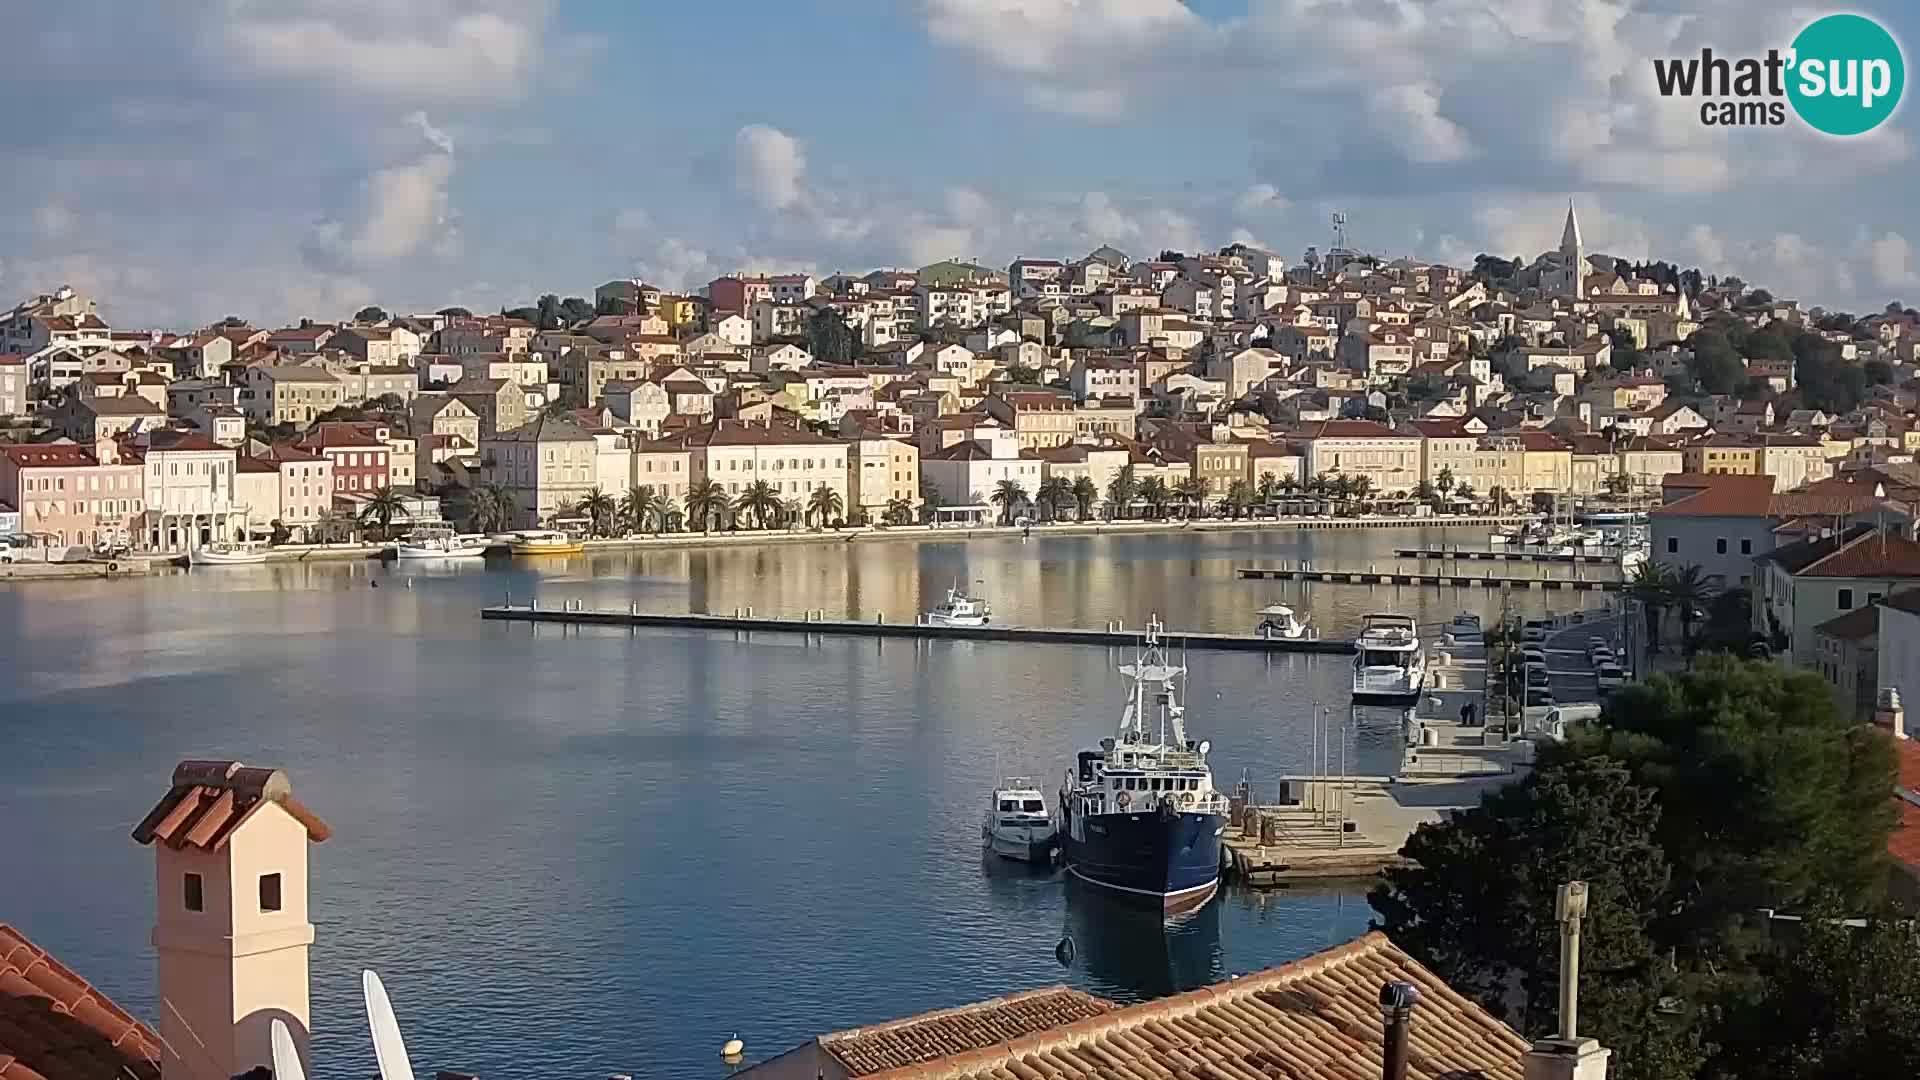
[{"x": 733, "y": 1048}]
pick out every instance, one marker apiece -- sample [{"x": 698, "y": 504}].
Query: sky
[{"x": 184, "y": 160}]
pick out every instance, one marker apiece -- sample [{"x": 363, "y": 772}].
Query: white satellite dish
[
  {"x": 388, "y": 1049},
  {"x": 286, "y": 1057}
]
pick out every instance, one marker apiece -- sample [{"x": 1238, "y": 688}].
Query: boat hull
[
  {"x": 1166, "y": 861},
  {"x": 547, "y": 549},
  {"x": 1023, "y": 846},
  {"x": 956, "y": 620},
  {"x": 465, "y": 551},
  {"x": 215, "y": 558}
]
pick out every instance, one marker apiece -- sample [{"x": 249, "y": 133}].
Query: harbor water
[{"x": 577, "y": 852}]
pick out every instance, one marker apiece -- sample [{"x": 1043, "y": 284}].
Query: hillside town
[{"x": 1106, "y": 386}]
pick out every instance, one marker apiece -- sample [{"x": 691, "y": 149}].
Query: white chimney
[
  {"x": 1888, "y": 713},
  {"x": 1567, "y": 1056}
]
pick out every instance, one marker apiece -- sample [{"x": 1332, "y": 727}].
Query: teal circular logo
[{"x": 1846, "y": 74}]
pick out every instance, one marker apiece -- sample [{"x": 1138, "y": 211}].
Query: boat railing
[{"x": 1380, "y": 678}]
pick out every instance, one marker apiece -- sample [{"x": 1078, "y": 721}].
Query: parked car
[{"x": 1611, "y": 677}]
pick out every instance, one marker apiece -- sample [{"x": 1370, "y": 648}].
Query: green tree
[
  {"x": 1085, "y": 494},
  {"x": 490, "y": 508},
  {"x": 931, "y": 498},
  {"x": 382, "y": 508},
  {"x": 1617, "y": 483},
  {"x": 576, "y": 309},
  {"x": 1716, "y": 365},
  {"x": 708, "y": 505},
  {"x": 1444, "y": 483},
  {"x": 829, "y": 338},
  {"x": 454, "y": 313},
  {"x": 600, "y": 509},
  {"x": 636, "y": 507},
  {"x": 1843, "y": 1004},
  {"x": 1648, "y": 588},
  {"x": 1423, "y": 492},
  {"x": 762, "y": 502},
  {"x": 1542, "y": 502},
  {"x": 825, "y": 506},
  {"x": 1239, "y": 499},
  {"x": 1053, "y": 495},
  {"x": 547, "y": 313},
  {"x": 1498, "y": 496},
  {"x": 1157, "y": 495},
  {"x": 1476, "y": 905},
  {"x": 1690, "y": 591},
  {"x": 1010, "y": 497},
  {"x": 1121, "y": 491},
  {"x": 370, "y": 314},
  {"x": 1465, "y": 491},
  {"x": 1267, "y": 491},
  {"x": 899, "y": 512}
]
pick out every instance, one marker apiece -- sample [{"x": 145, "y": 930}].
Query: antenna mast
[{"x": 1339, "y": 229}]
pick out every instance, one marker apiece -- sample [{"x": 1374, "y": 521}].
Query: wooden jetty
[
  {"x": 1520, "y": 556},
  {"x": 815, "y": 623},
  {"x": 1453, "y": 580}
]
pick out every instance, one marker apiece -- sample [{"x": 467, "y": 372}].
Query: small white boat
[
  {"x": 440, "y": 542},
  {"x": 1280, "y": 621},
  {"x": 545, "y": 542},
  {"x": 1388, "y": 667},
  {"x": 959, "y": 609},
  {"x": 244, "y": 554},
  {"x": 1018, "y": 825}
]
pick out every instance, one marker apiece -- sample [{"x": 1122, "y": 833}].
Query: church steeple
[{"x": 1573, "y": 255}]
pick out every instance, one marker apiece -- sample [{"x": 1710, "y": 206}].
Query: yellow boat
[{"x": 545, "y": 542}]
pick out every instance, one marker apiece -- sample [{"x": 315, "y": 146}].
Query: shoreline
[{"x": 294, "y": 553}]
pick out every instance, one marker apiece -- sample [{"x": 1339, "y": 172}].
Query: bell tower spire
[{"x": 1573, "y": 254}]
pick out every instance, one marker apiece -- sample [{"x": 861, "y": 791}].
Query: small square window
[
  {"x": 1746, "y": 547},
  {"x": 1673, "y": 545},
  {"x": 269, "y": 892},
  {"x": 195, "y": 897},
  {"x": 1846, "y": 599},
  {"x": 1720, "y": 546}
]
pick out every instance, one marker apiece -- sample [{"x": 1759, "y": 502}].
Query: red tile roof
[
  {"x": 1719, "y": 495},
  {"x": 55, "y": 1026},
  {"x": 935, "y": 1035},
  {"x": 49, "y": 456},
  {"x": 1314, "y": 1019},
  {"x": 210, "y": 799},
  {"x": 1872, "y": 553},
  {"x": 1904, "y": 843}
]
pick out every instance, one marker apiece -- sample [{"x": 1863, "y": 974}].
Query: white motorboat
[
  {"x": 440, "y": 542},
  {"x": 959, "y": 609},
  {"x": 1280, "y": 621},
  {"x": 1388, "y": 667},
  {"x": 241, "y": 554},
  {"x": 1018, "y": 825}
]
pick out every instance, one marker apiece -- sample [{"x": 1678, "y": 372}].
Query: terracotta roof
[
  {"x": 1314, "y": 1019},
  {"x": 936, "y": 1035},
  {"x": 54, "y": 1024},
  {"x": 209, "y": 799},
  {"x": 745, "y": 433},
  {"x": 1859, "y": 552},
  {"x": 49, "y": 456},
  {"x": 1721, "y": 495},
  {"x": 1904, "y": 842},
  {"x": 1354, "y": 429}
]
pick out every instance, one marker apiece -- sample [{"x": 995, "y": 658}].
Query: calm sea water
[{"x": 572, "y": 853}]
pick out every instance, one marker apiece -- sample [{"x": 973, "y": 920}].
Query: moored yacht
[
  {"x": 545, "y": 542},
  {"x": 1388, "y": 668},
  {"x": 1280, "y": 621},
  {"x": 225, "y": 554},
  {"x": 1465, "y": 630},
  {"x": 959, "y": 609},
  {"x": 1139, "y": 816},
  {"x": 1017, "y": 824}
]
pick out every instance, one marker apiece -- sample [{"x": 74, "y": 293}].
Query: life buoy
[
  {"x": 1125, "y": 799},
  {"x": 113, "y": 568},
  {"x": 1186, "y": 798}
]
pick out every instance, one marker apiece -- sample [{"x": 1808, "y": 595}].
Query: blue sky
[{"x": 186, "y": 159}]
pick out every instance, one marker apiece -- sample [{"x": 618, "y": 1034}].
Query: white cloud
[
  {"x": 440, "y": 139},
  {"x": 769, "y": 166},
  {"x": 1258, "y": 197},
  {"x": 1892, "y": 260},
  {"x": 1410, "y": 115},
  {"x": 417, "y": 50}
]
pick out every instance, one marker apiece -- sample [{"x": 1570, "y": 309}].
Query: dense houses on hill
[{"x": 924, "y": 394}]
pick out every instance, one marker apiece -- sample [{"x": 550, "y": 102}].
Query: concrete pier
[
  {"x": 817, "y": 623},
  {"x": 1454, "y": 580},
  {"x": 1519, "y": 555}
]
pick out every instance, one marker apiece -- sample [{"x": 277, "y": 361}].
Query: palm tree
[
  {"x": 1465, "y": 491},
  {"x": 599, "y": 509},
  {"x": 1290, "y": 485},
  {"x": 1267, "y": 491},
  {"x": 792, "y": 512},
  {"x": 826, "y": 505},
  {"x": 930, "y": 498},
  {"x": 1121, "y": 491},
  {"x": 1498, "y": 496},
  {"x": 1157, "y": 495},
  {"x": 636, "y": 507},
  {"x": 1444, "y": 482},
  {"x": 1691, "y": 591},
  {"x": 1648, "y": 588},
  {"x": 1054, "y": 492},
  {"x": 1360, "y": 488},
  {"x": 708, "y": 505},
  {"x": 489, "y": 508},
  {"x": 762, "y": 501},
  {"x": 381, "y": 508},
  {"x": 1424, "y": 492},
  {"x": 1193, "y": 493},
  {"x": 1239, "y": 498},
  {"x": 1009, "y": 496},
  {"x": 898, "y": 512},
  {"x": 1085, "y": 494}
]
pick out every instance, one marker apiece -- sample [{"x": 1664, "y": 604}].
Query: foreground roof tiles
[
  {"x": 209, "y": 800},
  {"x": 1314, "y": 1019},
  {"x": 932, "y": 1036},
  {"x": 56, "y": 1026}
]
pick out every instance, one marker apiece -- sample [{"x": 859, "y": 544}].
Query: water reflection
[{"x": 1132, "y": 954}]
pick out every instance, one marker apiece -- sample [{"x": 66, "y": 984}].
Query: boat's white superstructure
[
  {"x": 1281, "y": 621},
  {"x": 959, "y": 609},
  {"x": 1018, "y": 824},
  {"x": 1388, "y": 666},
  {"x": 439, "y": 541}
]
